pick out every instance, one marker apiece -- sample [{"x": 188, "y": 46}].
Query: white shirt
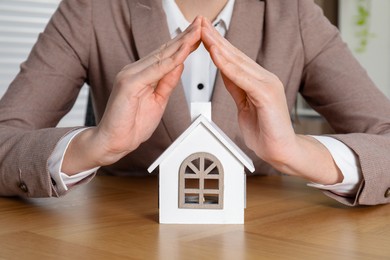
[
  {"x": 198, "y": 80},
  {"x": 199, "y": 73}
]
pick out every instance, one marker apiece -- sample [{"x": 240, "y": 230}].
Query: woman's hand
[
  {"x": 135, "y": 107},
  {"x": 263, "y": 114}
]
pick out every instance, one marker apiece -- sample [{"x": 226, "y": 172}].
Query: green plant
[{"x": 362, "y": 23}]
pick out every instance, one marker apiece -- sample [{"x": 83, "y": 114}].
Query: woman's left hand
[{"x": 263, "y": 114}]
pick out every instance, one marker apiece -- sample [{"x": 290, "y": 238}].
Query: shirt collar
[{"x": 178, "y": 23}]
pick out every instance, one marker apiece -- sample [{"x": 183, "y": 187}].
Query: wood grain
[{"x": 116, "y": 218}]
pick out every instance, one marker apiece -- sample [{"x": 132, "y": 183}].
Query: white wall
[
  {"x": 376, "y": 56},
  {"x": 20, "y": 23}
]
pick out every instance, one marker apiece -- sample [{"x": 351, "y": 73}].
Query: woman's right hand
[{"x": 138, "y": 100}]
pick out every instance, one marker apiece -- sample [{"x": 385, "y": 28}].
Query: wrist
[
  {"x": 284, "y": 160},
  {"x": 308, "y": 158},
  {"x": 82, "y": 153}
]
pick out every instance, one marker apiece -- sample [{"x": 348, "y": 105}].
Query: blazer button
[
  {"x": 23, "y": 187},
  {"x": 387, "y": 193}
]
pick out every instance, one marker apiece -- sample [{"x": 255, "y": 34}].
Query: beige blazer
[{"x": 92, "y": 40}]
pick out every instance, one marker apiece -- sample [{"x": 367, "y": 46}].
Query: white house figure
[{"x": 202, "y": 177}]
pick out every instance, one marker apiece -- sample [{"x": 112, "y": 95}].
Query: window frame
[{"x": 204, "y": 171}]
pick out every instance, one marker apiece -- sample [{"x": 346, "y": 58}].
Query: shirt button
[
  {"x": 387, "y": 193},
  {"x": 23, "y": 187},
  {"x": 200, "y": 86}
]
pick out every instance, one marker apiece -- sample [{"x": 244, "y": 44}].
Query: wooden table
[{"x": 117, "y": 218}]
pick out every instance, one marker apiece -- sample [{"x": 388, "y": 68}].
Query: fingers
[
  {"x": 239, "y": 96},
  {"x": 211, "y": 39},
  {"x": 235, "y": 65},
  {"x": 191, "y": 37},
  {"x": 150, "y": 70},
  {"x": 159, "y": 68}
]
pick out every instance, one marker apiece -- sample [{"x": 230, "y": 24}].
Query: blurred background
[
  {"x": 20, "y": 23},
  {"x": 363, "y": 25}
]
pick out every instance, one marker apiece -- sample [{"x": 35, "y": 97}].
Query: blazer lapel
[
  {"x": 150, "y": 31},
  {"x": 245, "y": 33},
  {"x": 148, "y": 25}
]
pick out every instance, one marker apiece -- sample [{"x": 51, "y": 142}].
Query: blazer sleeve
[
  {"x": 41, "y": 94},
  {"x": 336, "y": 86}
]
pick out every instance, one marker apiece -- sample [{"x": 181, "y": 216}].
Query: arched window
[{"x": 201, "y": 182}]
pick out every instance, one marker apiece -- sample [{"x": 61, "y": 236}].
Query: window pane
[
  {"x": 211, "y": 184},
  {"x": 189, "y": 170},
  {"x": 207, "y": 163},
  {"x": 191, "y": 184},
  {"x": 211, "y": 199},
  {"x": 196, "y": 163},
  {"x": 213, "y": 171},
  {"x": 191, "y": 198}
]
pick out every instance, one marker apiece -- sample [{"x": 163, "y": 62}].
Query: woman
[{"x": 122, "y": 50}]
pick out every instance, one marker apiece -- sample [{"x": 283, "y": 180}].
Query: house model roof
[{"x": 217, "y": 132}]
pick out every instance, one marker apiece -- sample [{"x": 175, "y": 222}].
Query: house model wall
[{"x": 201, "y": 203}]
